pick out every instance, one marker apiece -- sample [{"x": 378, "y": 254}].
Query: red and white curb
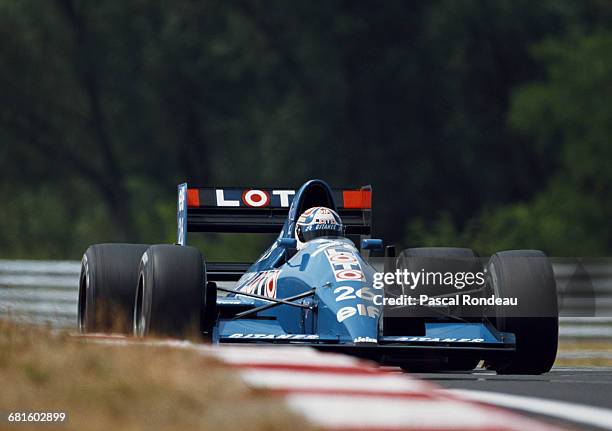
[{"x": 341, "y": 392}]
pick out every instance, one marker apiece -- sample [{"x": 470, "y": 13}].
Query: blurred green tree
[
  {"x": 105, "y": 106},
  {"x": 567, "y": 117}
]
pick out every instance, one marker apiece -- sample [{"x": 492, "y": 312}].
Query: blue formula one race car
[{"x": 320, "y": 285}]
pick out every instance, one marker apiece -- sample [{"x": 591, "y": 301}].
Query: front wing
[{"x": 440, "y": 339}]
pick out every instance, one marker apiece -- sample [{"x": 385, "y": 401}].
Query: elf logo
[{"x": 253, "y": 198}]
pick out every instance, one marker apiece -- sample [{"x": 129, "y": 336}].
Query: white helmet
[{"x": 317, "y": 222}]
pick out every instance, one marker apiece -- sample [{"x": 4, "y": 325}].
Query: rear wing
[{"x": 238, "y": 210}]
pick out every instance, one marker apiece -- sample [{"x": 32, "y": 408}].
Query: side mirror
[
  {"x": 371, "y": 244},
  {"x": 287, "y": 243}
]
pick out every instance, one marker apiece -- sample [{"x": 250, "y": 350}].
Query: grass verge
[
  {"x": 134, "y": 387},
  {"x": 584, "y": 353}
]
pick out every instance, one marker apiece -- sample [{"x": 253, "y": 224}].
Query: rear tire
[
  {"x": 439, "y": 259},
  {"x": 171, "y": 292},
  {"x": 443, "y": 260},
  {"x": 106, "y": 287},
  {"x": 528, "y": 276}
]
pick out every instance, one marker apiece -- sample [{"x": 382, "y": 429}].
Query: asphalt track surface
[{"x": 580, "y": 397}]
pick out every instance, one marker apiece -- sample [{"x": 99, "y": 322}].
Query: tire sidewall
[
  {"x": 144, "y": 296},
  {"x": 86, "y": 296}
]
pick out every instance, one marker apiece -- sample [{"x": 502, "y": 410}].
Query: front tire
[
  {"x": 106, "y": 287},
  {"x": 526, "y": 275},
  {"x": 171, "y": 292}
]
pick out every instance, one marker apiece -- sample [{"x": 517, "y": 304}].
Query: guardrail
[
  {"x": 584, "y": 286},
  {"x": 47, "y": 292},
  {"x": 40, "y": 291}
]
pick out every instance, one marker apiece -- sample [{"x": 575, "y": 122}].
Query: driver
[{"x": 317, "y": 222}]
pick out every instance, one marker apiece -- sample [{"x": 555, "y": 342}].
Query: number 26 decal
[{"x": 348, "y": 292}]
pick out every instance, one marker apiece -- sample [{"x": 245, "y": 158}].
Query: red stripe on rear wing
[
  {"x": 357, "y": 199},
  {"x": 193, "y": 198}
]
